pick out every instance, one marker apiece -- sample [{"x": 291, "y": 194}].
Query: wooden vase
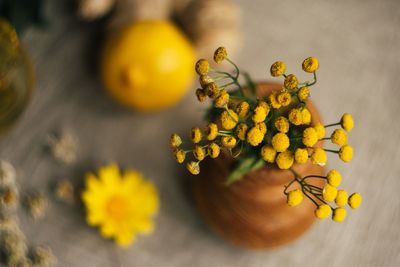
[{"x": 253, "y": 212}]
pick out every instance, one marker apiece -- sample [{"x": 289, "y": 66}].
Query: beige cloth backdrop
[{"x": 357, "y": 43}]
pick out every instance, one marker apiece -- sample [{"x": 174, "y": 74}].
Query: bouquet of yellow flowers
[{"x": 276, "y": 129}]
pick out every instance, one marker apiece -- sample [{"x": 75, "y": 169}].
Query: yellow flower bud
[
  {"x": 222, "y": 99},
  {"x": 262, "y": 127},
  {"x": 295, "y": 116},
  {"x": 205, "y": 80},
  {"x": 295, "y": 197},
  {"x": 319, "y": 157},
  {"x": 278, "y": 69},
  {"x": 339, "y": 214},
  {"x": 175, "y": 140},
  {"x": 202, "y": 67},
  {"x": 310, "y": 64},
  {"x": 301, "y": 155},
  {"x": 260, "y": 114},
  {"x": 305, "y": 116},
  {"x": 334, "y": 178},
  {"x": 212, "y": 90},
  {"x": 193, "y": 167},
  {"x": 282, "y": 124},
  {"x": 290, "y": 82},
  {"x": 211, "y": 131},
  {"x": 339, "y": 137},
  {"x": 229, "y": 119},
  {"x": 228, "y": 141},
  {"x": 346, "y": 153},
  {"x": 179, "y": 155},
  {"x": 242, "y": 109},
  {"x": 284, "y": 98},
  {"x": 303, "y": 94},
  {"x": 220, "y": 54},
  {"x": 323, "y": 211},
  {"x": 268, "y": 153},
  {"x": 213, "y": 150},
  {"x": 320, "y": 129},
  {"x": 280, "y": 142},
  {"x": 196, "y": 135},
  {"x": 329, "y": 193},
  {"x": 273, "y": 100},
  {"x": 199, "y": 153},
  {"x": 347, "y": 122},
  {"x": 310, "y": 137},
  {"x": 355, "y": 200},
  {"x": 285, "y": 160},
  {"x": 241, "y": 131},
  {"x": 201, "y": 95},
  {"x": 254, "y": 136},
  {"x": 341, "y": 198}
]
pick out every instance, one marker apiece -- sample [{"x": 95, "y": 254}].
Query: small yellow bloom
[
  {"x": 179, "y": 155},
  {"x": 301, "y": 155},
  {"x": 319, "y": 157},
  {"x": 355, "y": 200},
  {"x": 199, "y": 153},
  {"x": 290, "y": 82},
  {"x": 320, "y": 129},
  {"x": 260, "y": 114},
  {"x": 202, "y": 67},
  {"x": 329, "y": 193},
  {"x": 212, "y": 90},
  {"x": 305, "y": 116},
  {"x": 268, "y": 153},
  {"x": 241, "y": 131},
  {"x": 341, "y": 198},
  {"x": 220, "y": 54},
  {"x": 303, "y": 94},
  {"x": 222, "y": 99},
  {"x": 201, "y": 95},
  {"x": 262, "y": 127},
  {"x": 280, "y": 142},
  {"x": 295, "y": 116},
  {"x": 323, "y": 211},
  {"x": 121, "y": 205},
  {"x": 175, "y": 140},
  {"x": 347, "y": 122},
  {"x": 273, "y": 100},
  {"x": 339, "y": 137},
  {"x": 285, "y": 160},
  {"x": 263, "y": 104},
  {"x": 339, "y": 214},
  {"x": 243, "y": 109},
  {"x": 284, "y": 98},
  {"x": 211, "y": 131},
  {"x": 228, "y": 141},
  {"x": 204, "y": 80},
  {"x": 193, "y": 167},
  {"x": 196, "y": 135},
  {"x": 310, "y": 64},
  {"x": 278, "y": 69},
  {"x": 295, "y": 197},
  {"x": 346, "y": 153},
  {"x": 213, "y": 150},
  {"x": 334, "y": 178},
  {"x": 310, "y": 137},
  {"x": 229, "y": 119},
  {"x": 254, "y": 136}
]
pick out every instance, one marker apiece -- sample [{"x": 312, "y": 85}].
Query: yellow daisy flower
[{"x": 121, "y": 205}]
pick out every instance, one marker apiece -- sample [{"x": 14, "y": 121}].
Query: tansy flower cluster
[{"x": 273, "y": 129}]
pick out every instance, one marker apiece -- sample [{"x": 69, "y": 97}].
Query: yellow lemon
[{"x": 148, "y": 65}]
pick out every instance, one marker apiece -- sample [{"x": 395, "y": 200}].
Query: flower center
[{"x": 117, "y": 208}]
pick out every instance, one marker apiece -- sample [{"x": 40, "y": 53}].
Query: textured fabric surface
[{"x": 357, "y": 43}]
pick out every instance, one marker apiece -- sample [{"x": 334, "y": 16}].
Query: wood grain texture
[{"x": 357, "y": 43}]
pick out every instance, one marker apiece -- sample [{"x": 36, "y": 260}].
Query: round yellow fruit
[{"x": 148, "y": 65}]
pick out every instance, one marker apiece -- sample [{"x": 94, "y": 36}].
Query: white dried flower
[
  {"x": 7, "y": 174},
  {"x": 9, "y": 199},
  {"x": 64, "y": 191},
  {"x": 37, "y": 204},
  {"x": 42, "y": 256},
  {"x": 63, "y": 147}
]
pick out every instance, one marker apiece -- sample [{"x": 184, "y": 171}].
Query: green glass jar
[{"x": 16, "y": 77}]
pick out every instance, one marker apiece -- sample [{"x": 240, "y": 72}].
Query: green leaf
[{"x": 244, "y": 166}]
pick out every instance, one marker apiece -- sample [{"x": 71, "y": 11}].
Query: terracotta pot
[{"x": 253, "y": 213}]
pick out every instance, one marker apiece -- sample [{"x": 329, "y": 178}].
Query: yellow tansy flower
[
  {"x": 318, "y": 156},
  {"x": 295, "y": 116},
  {"x": 339, "y": 137},
  {"x": 260, "y": 114},
  {"x": 320, "y": 129},
  {"x": 301, "y": 155},
  {"x": 273, "y": 100},
  {"x": 213, "y": 150},
  {"x": 193, "y": 167},
  {"x": 243, "y": 109},
  {"x": 121, "y": 205},
  {"x": 211, "y": 131},
  {"x": 212, "y": 90},
  {"x": 303, "y": 94},
  {"x": 310, "y": 64},
  {"x": 228, "y": 141},
  {"x": 278, "y": 68},
  {"x": 347, "y": 122},
  {"x": 290, "y": 82},
  {"x": 241, "y": 131},
  {"x": 339, "y": 214},
  {"x": 204, "y": 80},
  {"x": 341, "y": 198},
  {"x": 295, "y": 197},
  {"x": 220, "y": 54},
  {"x": 202, "y": 67},
  {"x": 310, "y": 137},
  {"x": 305, "y": 116},
  {"x": 201, "y": 95},
  {"x": 334, "y": 178},
  {"x": 329, "y": 193},
  {"x": 179, "y": 155},
  {"x": 323, "y": 211},
  {"x": 282, "y": 124},
  {"x": 346, "y": 153},
  {"x": 199, "y": 153},
  {"x": 175, "y": 140},
  {"x": 196, "y": 135},
  {"x": 355, "y": 200},
  {"x": 268, "y": 153},
  {"x": 285, "y": 160},
  {"x": 284, "y": 98},
  {"x": 254, "y": 136},
  {"x": 229, "y": 119},
  {"x": 262, "y": 127},
  {"x": 280, "y": 142},
  {"x": 222, "y": 99}
]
